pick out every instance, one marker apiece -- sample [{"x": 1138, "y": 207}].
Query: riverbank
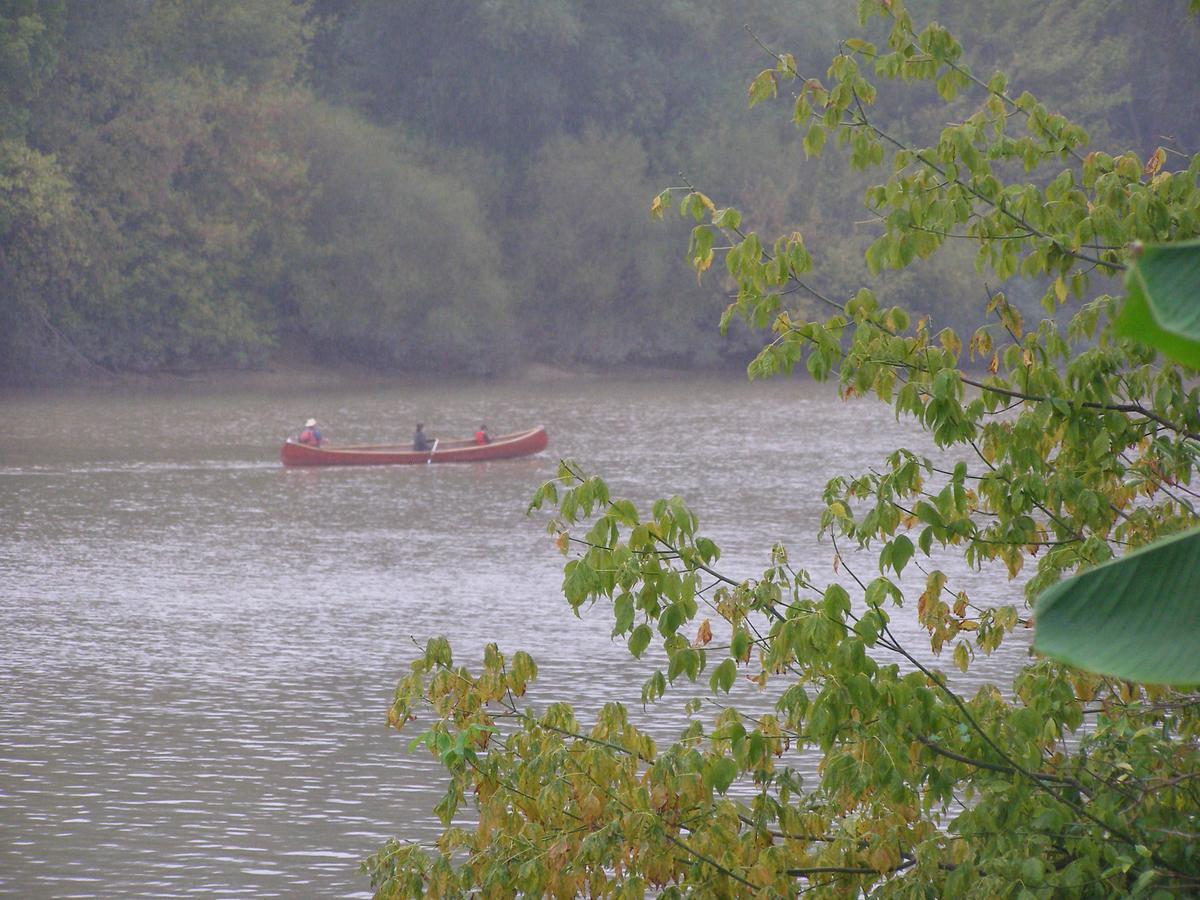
[{"x": 290, "y": 375}]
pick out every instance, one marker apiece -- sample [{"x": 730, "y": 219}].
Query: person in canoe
[
  {"x": 421, "y": 443},
  {"x": 482, "y": 436},
  {"x": 311, "y": 434}
]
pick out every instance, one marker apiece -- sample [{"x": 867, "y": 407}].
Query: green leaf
[
  {"x": 723, "y": 676},
  {"x": 1144, "y": 881},
  {"x": 727, "y": 218},
  {"x": 925, "y": 540},
  {"x": 639, "y": 640},
  {"x": 577, "y": 583},
  {"x": 670, "y": 620},
  {"x": 720, "y": 772},
  {"x": 1032, "y": 871},
  {"x": 740, "y": 645},
  {"x": 868, "y": 629},
  {"x": 1137, "y": 617},
  {"x": 623, "y": 614},
  {"x": 1162, "y": 308},
  {"x": 425, "y": 737},
  {"x": 814, "y": 140},
  {"x": 625, "y": 511},
  {"x": 929, "y": 514},
  {"x": 763, "y": 87},
  {"x": 902, "y": 552},
  {"x": 654, "y": 688}
]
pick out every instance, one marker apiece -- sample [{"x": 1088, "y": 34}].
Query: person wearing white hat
[{"x": 311, "y": 434}]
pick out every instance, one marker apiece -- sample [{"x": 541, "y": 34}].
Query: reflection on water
[{"x": 197, "y": 646}]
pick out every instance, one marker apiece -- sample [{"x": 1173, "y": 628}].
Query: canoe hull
[{"x": 505, "y": 446}]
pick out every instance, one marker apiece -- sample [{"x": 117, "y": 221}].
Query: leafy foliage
[
  {"x": 563, "y": 247},
  {"x": 45, "y": 238},
  {"x": 185, "y": 249},
  {"x": 1163, "y": 304},
  {"x": 183, "y": 207},
  {"x": 397, "y": 265},
  {"x": 29, "y": 34},
  {"x": 1136, "y": 617},
  {"x": 562, "y": 112},
  {"x": 1076, "y": 445},
  {"x": 1100, "y": 621}
]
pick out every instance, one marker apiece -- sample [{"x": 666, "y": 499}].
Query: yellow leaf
[
  {"x": 883, "y": 858},
  {"x": 914, "y": 754},
  {"x": 703, "y": 635},
  {"x": 659, "y": 797},
  {"x": 950, "y": 341},
  {"x": 1014, "y": 319},
  {"x": 962, "y": 656},
  {"x": 562, "y": 541},
  {"x": 763, "y": 86},
  {"x": 1155, "y": 162},
  {"x": 590, "y": 808},
  {"x": 1060, "y": 289}
]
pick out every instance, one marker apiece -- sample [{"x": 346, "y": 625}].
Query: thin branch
[
  {"x": 909, "y": 861},
  {"x": 1135, "y": 408},
  {"x": 993, "y": 767}
]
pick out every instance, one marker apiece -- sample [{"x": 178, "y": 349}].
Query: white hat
[{"x": 310, "y": 423}]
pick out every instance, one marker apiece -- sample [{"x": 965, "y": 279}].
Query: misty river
[{"x": 198, "y": 647}]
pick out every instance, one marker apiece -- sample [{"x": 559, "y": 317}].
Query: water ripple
[{"x": 197, "y": 647}]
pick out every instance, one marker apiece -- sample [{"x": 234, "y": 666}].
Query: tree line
[{"x": 457, "y": 186}]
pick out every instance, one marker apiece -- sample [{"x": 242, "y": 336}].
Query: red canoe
[{"x": 505, "y": 446}]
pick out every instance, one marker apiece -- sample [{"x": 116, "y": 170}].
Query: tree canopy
[
  {"x": 1064, "y": 443},
  {"x": 172, "y": 195}
]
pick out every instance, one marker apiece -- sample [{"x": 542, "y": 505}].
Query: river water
[{"x": 197, "y": 646}]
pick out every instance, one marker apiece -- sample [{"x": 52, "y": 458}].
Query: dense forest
[{"x": 461, "y": 185}]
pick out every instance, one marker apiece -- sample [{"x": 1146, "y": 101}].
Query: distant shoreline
[{"x": 295, "y": 376}]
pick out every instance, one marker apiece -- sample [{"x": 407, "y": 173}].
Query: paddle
[{"x": 432, "y": 450}]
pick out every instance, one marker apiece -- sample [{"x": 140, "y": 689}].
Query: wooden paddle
[{"x": 432, "y": 450}]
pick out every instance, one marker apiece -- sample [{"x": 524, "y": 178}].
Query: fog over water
[{"x": 197, "y": 646}]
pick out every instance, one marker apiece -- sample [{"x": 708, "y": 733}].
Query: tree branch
[{"x": 909, "y": 861}]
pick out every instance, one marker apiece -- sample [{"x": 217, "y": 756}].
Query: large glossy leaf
[
  {"x": 1162, "y": 307},
  {"x": 1137, "y": 617}
]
